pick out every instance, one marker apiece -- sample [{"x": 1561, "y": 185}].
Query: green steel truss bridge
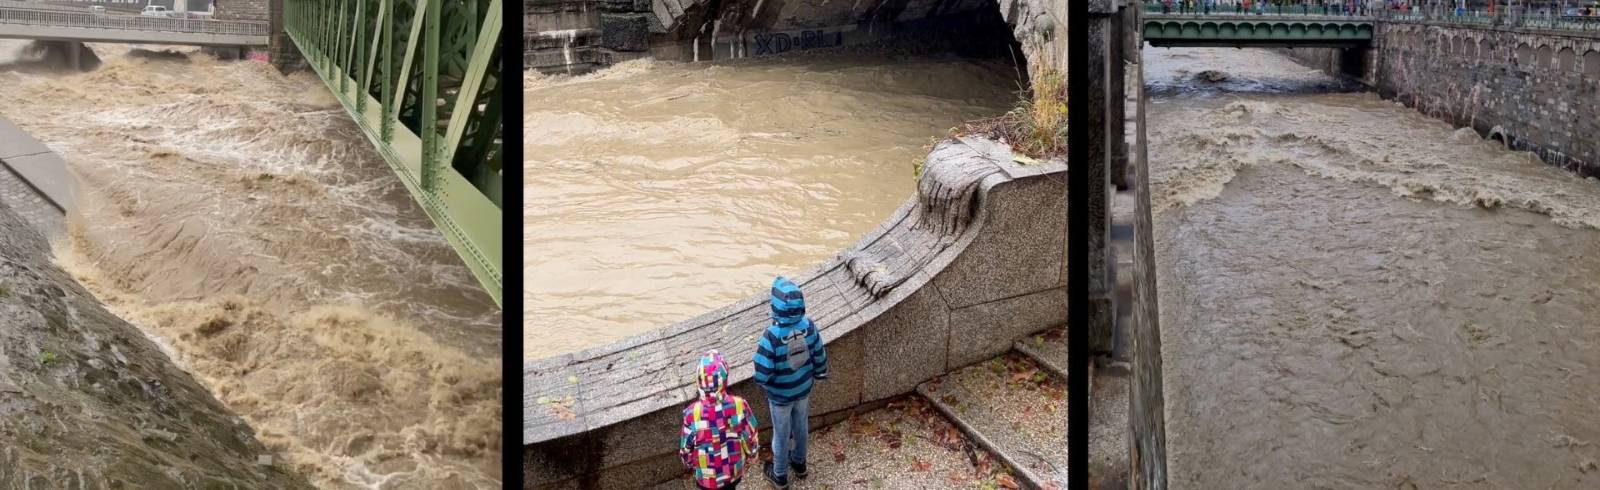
[
  {"x": 1288, "y": 26},
  {"x": 421, "y": 78}
]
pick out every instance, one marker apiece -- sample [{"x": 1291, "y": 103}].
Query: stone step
[
  {"x": 1049, "y": 349},
  {"x": 1013, "y": 407}
]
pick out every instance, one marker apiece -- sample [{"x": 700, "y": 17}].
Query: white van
[{"x": 156, "y": 11}]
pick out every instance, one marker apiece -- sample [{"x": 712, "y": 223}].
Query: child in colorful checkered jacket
[{"x": 719, "y": 430}]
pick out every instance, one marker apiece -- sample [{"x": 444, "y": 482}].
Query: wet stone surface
[
  {"x": 28, "y": 205},
  {"x": 87, "y": 401}
]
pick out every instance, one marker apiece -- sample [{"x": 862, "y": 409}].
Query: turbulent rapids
[
  {"x": 239, "y": 218},
  {"x": 658, "y": 191},
  {"x": 1354, "y": 295}
]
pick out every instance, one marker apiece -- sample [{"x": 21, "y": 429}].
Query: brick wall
[{"x": 243, "y": 9}]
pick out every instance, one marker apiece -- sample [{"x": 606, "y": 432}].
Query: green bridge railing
[
  {"x": 1505, "y": 15},
  {"x": 421, "y": 78}
]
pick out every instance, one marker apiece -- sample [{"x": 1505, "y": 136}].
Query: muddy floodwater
[
  {"x": 239, "y": 217},
  {"x": 659, "y": 191},
  {"x": 1354, "y": 295}
]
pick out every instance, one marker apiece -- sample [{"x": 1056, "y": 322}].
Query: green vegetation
[
  {"x": 1037, "y": 127},
  {"x": 46, "y": 358}
]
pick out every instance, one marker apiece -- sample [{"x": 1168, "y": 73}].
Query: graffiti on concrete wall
[{"x": 780, "y": 42}]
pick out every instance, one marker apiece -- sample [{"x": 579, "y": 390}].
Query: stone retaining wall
[
  {"x": 971, "y": 264},
  {"x": 1538, "y": 91},
  {"x": 1338, "y": 62},
  {"x": 1534, "y": 90}
]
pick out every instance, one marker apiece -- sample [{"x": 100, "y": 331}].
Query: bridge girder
[
  {"x": 1214, "y": 32},
  {"x": 421, "y": 79}
]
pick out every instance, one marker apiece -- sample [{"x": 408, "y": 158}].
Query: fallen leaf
[
  {"x": 1006, "y": 481},
  {"x": 572, "y": 379},
  {"x": 920, "y": 466},
  {"x": 563, "y": 413},
  {"x": 1024, "y": 160},
  {"x": 957, "y": 477}
]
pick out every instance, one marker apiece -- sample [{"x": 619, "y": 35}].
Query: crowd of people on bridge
[
  {"x": 720, "y": 430},
  {"x": 1259, "y": 7},
  {"x": 1366, "y": 7}
]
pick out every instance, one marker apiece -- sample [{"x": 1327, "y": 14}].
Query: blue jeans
[{"x": 792, "y": 419}]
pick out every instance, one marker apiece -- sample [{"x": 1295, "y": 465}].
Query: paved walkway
[{"x": 905, "y": 445}]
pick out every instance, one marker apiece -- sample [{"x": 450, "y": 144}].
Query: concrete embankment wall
[
  {"x": 971, "y": 264},
  {"x": 86, "y": 399},
  {"x": 1535, "y": 90}
]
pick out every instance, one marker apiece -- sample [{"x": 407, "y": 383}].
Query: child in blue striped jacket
[{"x": 789, "y": 356}]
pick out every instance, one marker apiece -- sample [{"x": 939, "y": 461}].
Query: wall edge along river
[
  {"x": 1534, "y": 90},
  {"x": 963, "y": 269}
]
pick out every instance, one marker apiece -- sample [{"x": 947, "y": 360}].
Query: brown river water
[
  {"x": 658, "y": 191},
  {"x": 1354, "y": 295},
  {"x": 241, "y": 219}
]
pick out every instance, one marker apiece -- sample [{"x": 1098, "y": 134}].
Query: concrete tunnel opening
[{"x": 574, "y": 37}]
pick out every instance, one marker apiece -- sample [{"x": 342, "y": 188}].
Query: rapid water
[
  {"x": 659, "y": 191},
  {"x": 240, "y": 218},
  {"x": 1354, "y": 295}
]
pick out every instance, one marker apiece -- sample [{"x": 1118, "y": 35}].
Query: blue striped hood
[{"x": 788, "y": 303}]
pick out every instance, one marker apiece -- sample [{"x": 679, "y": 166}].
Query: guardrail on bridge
[
  {"x": 90, "y": 20},
  {"x": 421, "y": 79}
]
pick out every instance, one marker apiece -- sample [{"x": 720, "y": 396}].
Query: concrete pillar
[
  {"x": 74, "y": 56},
  {"x": 1102, "y": 311},
  {"x": 1118, "y": 115},
  {"x": 281, "y": 50}
]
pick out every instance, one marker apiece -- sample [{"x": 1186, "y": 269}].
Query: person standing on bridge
[
  {"x": 788, "y": 357},
  {"x": 719, "y": 430}
]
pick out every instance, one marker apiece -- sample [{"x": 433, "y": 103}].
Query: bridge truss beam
[
  {"x": 421, "y": 79},
  {"x": 1171, "y": 31}
]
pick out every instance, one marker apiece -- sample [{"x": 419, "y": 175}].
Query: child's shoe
[
  {"x": 779, "y": 482},
  {"x": 798, "y": 469}
]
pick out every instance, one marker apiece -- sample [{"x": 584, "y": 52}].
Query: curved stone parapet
[{"x": 972, "y": 263}]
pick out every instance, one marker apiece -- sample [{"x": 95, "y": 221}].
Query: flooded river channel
[
  {"x": 659, "y": 191},
  {"x": 1354, "y": 295},
  {"x": 239, "y": 218}
]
